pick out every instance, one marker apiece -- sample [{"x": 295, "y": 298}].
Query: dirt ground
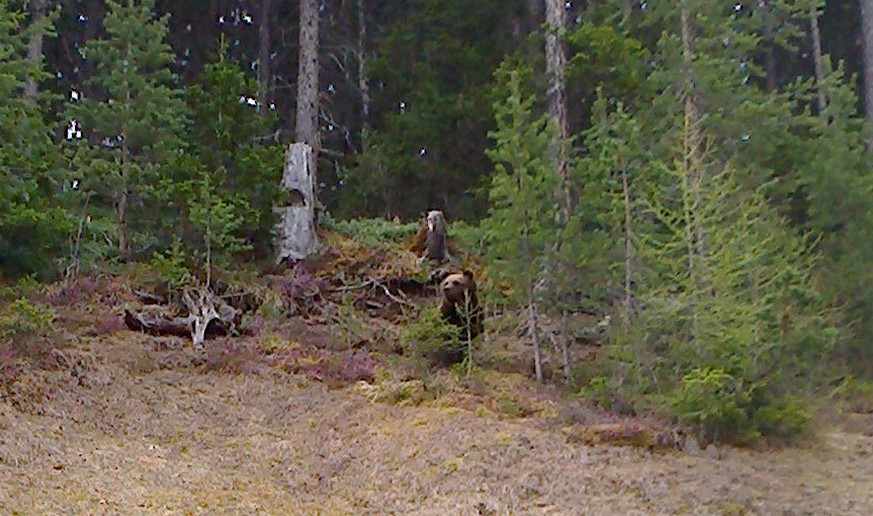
[{"x": 128, "y": 424}]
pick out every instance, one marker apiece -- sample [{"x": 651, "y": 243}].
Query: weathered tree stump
[
  {"x": 296, "y": 237},
  {"x": 207, "y": 314},
  {"x": 430, "y": 241}
]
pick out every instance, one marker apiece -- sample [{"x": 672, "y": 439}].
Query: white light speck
[
  {"x": 74, "y": 184},
  {"x": 83, "y": 19},
  {"x": 422, "y": 151},
  {"x": 402, "y": 106},
  {"x": 221, "y": 19},
  {"x": 273, "y": 106},
  {"x": 247, "y": 18},
  {"x": 331, "y": 88},
  {"x": 738, "y": 7},
  {"x": 74, "y": 131},
  {"x": 74, "y": 95}
]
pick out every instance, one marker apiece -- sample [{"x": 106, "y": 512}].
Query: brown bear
[{"x": 460, "y": 305}]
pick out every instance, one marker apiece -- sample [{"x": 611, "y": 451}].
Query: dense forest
[{"x": 698, "y": 171}]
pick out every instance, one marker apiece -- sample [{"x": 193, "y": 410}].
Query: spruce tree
[
  {"x": 132, "y": 117},
  {"x": 520, "y": 226},
  {"x": 33, "y": 223}
]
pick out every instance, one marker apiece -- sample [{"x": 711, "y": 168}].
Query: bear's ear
[{"x": 468, "y": 275}]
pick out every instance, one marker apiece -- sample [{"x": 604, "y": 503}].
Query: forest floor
[{"x": 123, "y": 423}]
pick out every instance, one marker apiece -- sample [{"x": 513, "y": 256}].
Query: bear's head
[{"x": 455, "y": 287}]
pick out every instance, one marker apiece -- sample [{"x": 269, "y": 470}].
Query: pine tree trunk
[
  {"x": 817, "y": 57},
  {"x": 867, "y": 25},
  {"x": 556, "y": 68},
  {"x": 363, "y": 78},
  {"x": 307, "y": 76},
  {"x": 34, "y": 47},
  {"x": 264, "y": 45},
  {"x": 770, "y": 52}
]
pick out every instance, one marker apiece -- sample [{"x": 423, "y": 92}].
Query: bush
[
  {"x": 22, "y": 320},
  {"x": 723, "y": 408},
  {"x": 433, "y": 340},
  {"x": 371, "y": 230}
]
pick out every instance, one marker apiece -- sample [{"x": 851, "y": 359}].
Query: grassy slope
[{"x": 117, "y": 422}]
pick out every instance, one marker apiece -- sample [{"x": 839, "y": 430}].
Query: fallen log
[{"x": 208, "y": 315}]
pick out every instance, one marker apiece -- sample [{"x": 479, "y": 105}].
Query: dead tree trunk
[
  {"x": 817, "y": 58},
  {"x": 867, "y": 25},
  {"x": 535, "y": 336},
  {"x": 363, "y": 76},
  {"x": 556, "y": 68},
  {"x": 296, "y": 237},
  {"x": 306, "y": 128},
  {"x": 264, "y": 70},
  {"x": 34, "y": 47}
]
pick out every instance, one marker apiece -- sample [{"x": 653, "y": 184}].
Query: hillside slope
[{"x": 126, "y": 423}]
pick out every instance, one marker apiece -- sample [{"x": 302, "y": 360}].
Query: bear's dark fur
[{"x": 460, "y": 304}]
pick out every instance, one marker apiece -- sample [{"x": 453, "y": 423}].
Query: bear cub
[{"x": 460, "y": 305}]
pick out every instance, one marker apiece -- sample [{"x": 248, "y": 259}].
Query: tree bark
[
  {"x": 363, "y": 77},
  {"x": 692, "y": 139},
  {"x": 264, "y": 45},
  {"x": 307, "y": 76},
  {"x": 297, "y": 238},
  {"x": 556, "y": 68},
  {"x": 867, "y": 26},
  {"x": 817, "y": 57},
  {"x": 34, "y": 47},
  {"x": 535, "y": 337}
]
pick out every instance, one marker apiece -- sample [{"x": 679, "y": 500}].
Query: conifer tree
[
  {"x": 521, "y": 222},
  {"x": 32, "y": 220},
  {"x": 132, "y": 117}
]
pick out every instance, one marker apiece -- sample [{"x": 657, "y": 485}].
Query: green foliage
[
  {"x": 217, "y": 215},
  {"x": 231, "y": 140},
  {"x": 375, "y": 230},
  {"x": 132, "y": 117},
  {"x": 713, "y": 400},
  {"x": 520, "y": 226},
  {"x": 433, "y": 340},
  {"x": 437, "y": 59},
  {"x": 22, "y": 320},
  {"x": 170, "y": 267},
  {"x": 33, "y": 221}
]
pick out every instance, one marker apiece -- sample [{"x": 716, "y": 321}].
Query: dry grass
[{"x": 132, "y": 424}]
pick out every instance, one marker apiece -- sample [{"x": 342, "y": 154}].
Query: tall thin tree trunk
[
  {"x": 306, "y": 128},
  {"x": 34, "y": 47},
  {"x": 264, "y": 44},
  {"x": 769, "y": 41},
  {"x": 535, "y": 336},
  {"x": 628, "y": 245},
  {"x": 363, "y": 77},
  {"x": 693, "y": 135},
  {"x": 817, "y": 57},
  {"x": 556, "y": 68},
  {"x": 867, "y": 25}
]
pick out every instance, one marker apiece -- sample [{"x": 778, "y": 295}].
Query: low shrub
[{"x": 433, "y": 340}]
